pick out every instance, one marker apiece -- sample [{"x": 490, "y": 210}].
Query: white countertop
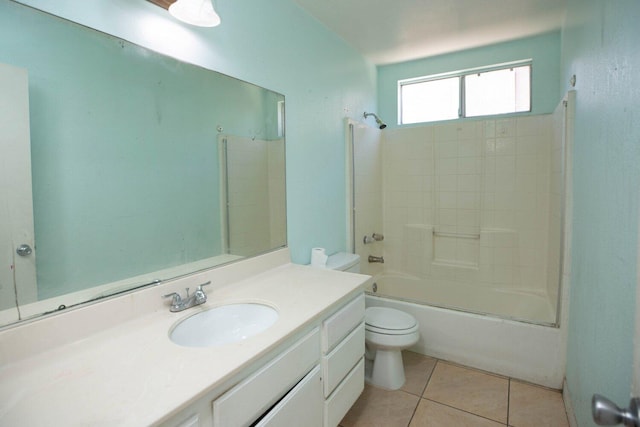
[{"x": 131, "y": 374}]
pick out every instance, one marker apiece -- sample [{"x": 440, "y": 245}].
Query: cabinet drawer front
[
  {"x": 194, "y": 421},
  {"x": 336, "y": 327},
  {"x": 339, "y": 362},
  {"x": 336, "y": 407},
  {"x": 302, "y": 406},
  {"x": 245, "y": 402}
]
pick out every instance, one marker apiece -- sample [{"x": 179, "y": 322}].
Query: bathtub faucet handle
[{"x": 375, "y": 237}]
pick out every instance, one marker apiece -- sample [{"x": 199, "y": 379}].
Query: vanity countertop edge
[{"x": 132, "y": 374}]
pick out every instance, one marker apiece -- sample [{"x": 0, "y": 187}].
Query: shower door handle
[{"x": 607, "y": 413}]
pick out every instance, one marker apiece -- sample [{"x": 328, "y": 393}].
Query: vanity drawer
[
  {"x": 193, "y": 421},
  {"x": 337, "y": 364},
  {"x": 336, "y": 407},
  {"x": 336, "y": 327},
  {"x": 245, "y": 402},
  {"x": 302, "y": 406}
]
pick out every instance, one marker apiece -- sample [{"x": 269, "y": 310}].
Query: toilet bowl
[{"x": 387, "y": 332}]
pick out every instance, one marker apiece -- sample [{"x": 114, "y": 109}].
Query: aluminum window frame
[{"x": 461, "y": 74}]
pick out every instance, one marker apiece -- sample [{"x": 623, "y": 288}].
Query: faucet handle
[
  {"x": 201, "y": 296},
  {"x": 176, "y": 297},
  {"x": 204, "y": 284}
]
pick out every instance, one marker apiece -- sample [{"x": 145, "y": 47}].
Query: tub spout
[{"x": 376, "y": 259}]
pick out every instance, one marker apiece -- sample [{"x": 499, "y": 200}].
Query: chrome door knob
[
  {"x": 607, "y": 413},
  {"x": 24, "y": 250}
]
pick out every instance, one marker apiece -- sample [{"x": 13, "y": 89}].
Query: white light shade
[{"x": 195, "y": 12}]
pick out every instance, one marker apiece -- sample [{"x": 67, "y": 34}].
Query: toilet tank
[{"x": 344, "y": 262}]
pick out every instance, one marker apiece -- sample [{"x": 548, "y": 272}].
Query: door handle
[
  {"x": 24, "y": 250},
  {"x": 607, "y": 413}
]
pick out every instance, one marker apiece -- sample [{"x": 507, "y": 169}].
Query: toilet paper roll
[{"x": 318, "y": 257}]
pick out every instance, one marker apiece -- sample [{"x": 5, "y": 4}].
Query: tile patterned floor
[{"x": 442, "y": 394}]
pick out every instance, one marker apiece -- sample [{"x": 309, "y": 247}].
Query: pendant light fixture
[{"x": 195, "y": 12}]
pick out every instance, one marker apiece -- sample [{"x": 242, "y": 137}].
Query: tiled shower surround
[
  {"x": 467, "y": 207},
  {"x": 256, "y": 194}
]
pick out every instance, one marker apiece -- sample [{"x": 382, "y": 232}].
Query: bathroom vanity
[
  {"x": 113, "y": 363},
  {"x": 310, "y": 382}
]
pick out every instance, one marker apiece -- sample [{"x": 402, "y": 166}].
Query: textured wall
[{"x": 600, "y": 48}]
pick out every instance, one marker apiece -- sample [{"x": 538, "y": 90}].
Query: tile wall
[{"x": 470, "y": 202}]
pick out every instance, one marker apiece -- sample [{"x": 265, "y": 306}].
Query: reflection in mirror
[
  {"x": 144, "y": 168},
  {"x": 253, "y": 187}
]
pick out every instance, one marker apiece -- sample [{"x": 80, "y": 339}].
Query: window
[
  {"x": 472, "y": 93},
  {"x": 418, "y": 100}
]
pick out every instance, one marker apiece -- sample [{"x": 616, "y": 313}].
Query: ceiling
[{"x": 389, "y": 31}]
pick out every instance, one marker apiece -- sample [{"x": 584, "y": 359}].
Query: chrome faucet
[
  {"x": 178, "y": 303},
  {"x": 376, "y": 259}
]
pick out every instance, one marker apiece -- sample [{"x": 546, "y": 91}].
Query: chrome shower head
[{"x": 380, "y": 123}]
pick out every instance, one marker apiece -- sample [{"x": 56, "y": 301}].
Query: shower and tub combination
[{"x": 473, "y": 217}]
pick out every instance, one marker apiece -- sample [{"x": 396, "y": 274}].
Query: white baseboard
[{"x": 571, "y": 416}]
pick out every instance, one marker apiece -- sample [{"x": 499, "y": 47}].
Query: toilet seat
[
  {"x": 389, "y": 321},
  {"x": 384, "y": 331}
]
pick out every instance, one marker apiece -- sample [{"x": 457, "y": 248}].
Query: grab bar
[{"x": 460, "y": 235}]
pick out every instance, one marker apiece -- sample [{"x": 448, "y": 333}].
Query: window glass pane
[
  {"x": 430, "y": 101},
  {"x": 498, "y": 92}
]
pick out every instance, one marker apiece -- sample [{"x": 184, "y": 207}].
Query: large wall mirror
[{"x": 142, "y": 168}]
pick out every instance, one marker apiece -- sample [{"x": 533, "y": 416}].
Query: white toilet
[
  {"x": 387, "y": 332},
  {"x": 344, "y": 262}
]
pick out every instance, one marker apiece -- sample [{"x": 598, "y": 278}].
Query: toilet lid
[{"x": 388, "y": 318}]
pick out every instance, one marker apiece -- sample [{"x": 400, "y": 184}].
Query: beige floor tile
[
  {"x": 469, "y": 390},
  {"x": 381, "y": 408},
  {"x": 432, "y": 414},
  {"x": 533, "y": 406},
  {"x": 417, "y": 370}
]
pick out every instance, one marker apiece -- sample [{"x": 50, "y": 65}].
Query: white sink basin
[{"x": 223, "y": 325}]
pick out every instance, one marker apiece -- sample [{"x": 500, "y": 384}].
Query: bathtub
[
  {"x": 527, "y": 351},
  {"x": 509, "y": 303}
]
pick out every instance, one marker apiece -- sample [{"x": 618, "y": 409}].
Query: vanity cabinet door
[
  {"x": 302, "y": 406},
  {"x": 247, "y": 401}
]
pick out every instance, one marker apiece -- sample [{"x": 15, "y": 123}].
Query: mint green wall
[
  {"x": 543, "y": 49},
  {"x": 278, "y": 46},
  {"x": 600, "y": 46}
]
